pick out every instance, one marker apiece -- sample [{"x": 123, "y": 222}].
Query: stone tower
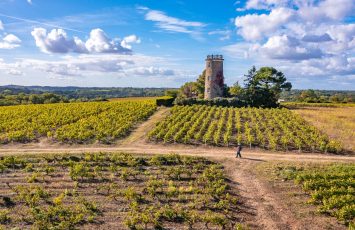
[{"x": 214, "y": 81}]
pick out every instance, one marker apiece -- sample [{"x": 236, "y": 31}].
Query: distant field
[
  {"x": 275, "y": 129},
  {"x": 115, "y": 191},
  {"x": 73, "y": 123},
  {"x": 337, "y": 122},
  {"x": 302, "y": 104},
  {"x": 133, "y": 98},
  {"x": 330, "y": 186}
]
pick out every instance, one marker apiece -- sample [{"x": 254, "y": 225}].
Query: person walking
[{"x": 239, "y": 149}]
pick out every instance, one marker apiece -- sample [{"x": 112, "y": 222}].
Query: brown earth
[{"x": 271, "y": 205}]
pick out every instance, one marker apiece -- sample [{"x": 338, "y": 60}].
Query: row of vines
[
  {"x": 74, "y": 122},
  {"x": 115, "y": 191},
  {"x": 275, "y": 129},
  {"x": 331, "y": 188}
]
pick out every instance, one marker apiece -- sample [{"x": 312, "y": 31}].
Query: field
[
  {"x": 337, "y": 122},
  {"x": 275, "y": 129},
  {"x": 115, "y": 191},
  {"x": 330, "y": 187},
  {"x": 104, "y": 122}
]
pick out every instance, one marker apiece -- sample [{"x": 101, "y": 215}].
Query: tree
[
  {"x": 236, "y": 90},
  {"x": 309, "y": 96},
  {"x": 172, "y": 93},
  {"x": 200, "y": 85},
  {"x": 194, "y": 89},
  {"x": 263, "y": 87},
  {"x": 188, "y": 90}
]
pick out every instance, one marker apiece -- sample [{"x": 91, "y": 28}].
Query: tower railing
[{"x": 214, "y": 57}]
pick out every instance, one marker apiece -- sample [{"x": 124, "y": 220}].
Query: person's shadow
[{"x": 252, "y": 159}]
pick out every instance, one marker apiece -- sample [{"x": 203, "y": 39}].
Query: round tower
[{"x": 214, "y": 81}]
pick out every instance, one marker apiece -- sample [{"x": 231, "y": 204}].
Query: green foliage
[
  {"x": 264, "y": 86},
  {"x": 73, "y": 123},
  {"x": 4, "y": 216},
  {"x": 331, "y": 187},
  {"x": 158, "y": 191},
  {"x": 274, "y": 129},
  {"x": 165, "y": 101}
]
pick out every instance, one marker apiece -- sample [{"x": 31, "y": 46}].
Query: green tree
[
  {"x": 236, "y": 90},
  {"x": 194, "y": 89},
  {"x": 200, "y": 85},
  {"x": 172, "y": 93},
  {"x": 264, "y": 86},
  {"x": 309, "y": 96}
]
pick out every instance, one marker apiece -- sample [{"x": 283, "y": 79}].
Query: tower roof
[{"x": 215, "y": 57}]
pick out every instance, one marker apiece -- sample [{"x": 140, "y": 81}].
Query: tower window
[
  {"x": 208, "y": 90},
  {"x": 208, "y": 78},
  {"x": 209, "y": 64}
]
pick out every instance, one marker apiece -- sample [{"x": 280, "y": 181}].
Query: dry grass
[
  {"x": 337, "y": 122},
  {"x": 133, "y": 98}
]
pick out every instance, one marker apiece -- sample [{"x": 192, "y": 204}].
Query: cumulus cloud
[
  {"x": 255, "y": 26},
  {"x": 126, "y": 41},
  {"x": 286, "y": 47},
  {"x": 57, "y": 41},
  {"x": 326, "y": 10},
  {"x": 10, "y": 41},
  {"x": 302, "y": 38},
  {"x": 169, "y": 23}
]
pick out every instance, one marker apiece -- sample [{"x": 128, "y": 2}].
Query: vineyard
[
  {"x": 74, "y": 122},
  {"x": 115, "y": 191},
  {"x": 331, "y": 188},
  {"x": 275, "y": 129}
]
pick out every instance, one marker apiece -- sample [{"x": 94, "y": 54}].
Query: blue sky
[{"x": 164, "y": 43}]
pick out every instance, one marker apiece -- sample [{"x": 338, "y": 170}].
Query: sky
[{"x": 152, "y": 43}]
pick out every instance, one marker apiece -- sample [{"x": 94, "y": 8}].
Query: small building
[{"x": 214, "y": 81}]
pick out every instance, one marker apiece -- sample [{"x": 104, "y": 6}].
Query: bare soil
[{"x": 269, "y": 204}]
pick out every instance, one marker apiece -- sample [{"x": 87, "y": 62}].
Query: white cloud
[
  {"x": 1, "y": 25},
  {"x": 289, "y": 48},
  {"x": 14, "y": 72},
  {"x": 328, "y": 9},
  {"x": 57, "y": 41},
  {"x": 29, "y": 2},
  {"x": 265, "y": 4},
  {"x": 10, "y": 41},
  {"x": 254, "y": 26},
  {"x": 10, "y": 38},
  {"x": 130, "y": 39},
  {"x": 151, "y": 71},
  {"x": 303, "y": 38},
  {"x": 169, "y": 23},
  {"x": 87, "y": 65}
]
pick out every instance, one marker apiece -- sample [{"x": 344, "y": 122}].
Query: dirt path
[
  {"x": 266, "y": 210},
  {"x": 140, "y": 133}
]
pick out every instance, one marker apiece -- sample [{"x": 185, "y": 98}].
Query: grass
[
  {"x": 293, "y": 105},
  {"x": 115, "y": 191},
  {"x": 337, "y": 122}
]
